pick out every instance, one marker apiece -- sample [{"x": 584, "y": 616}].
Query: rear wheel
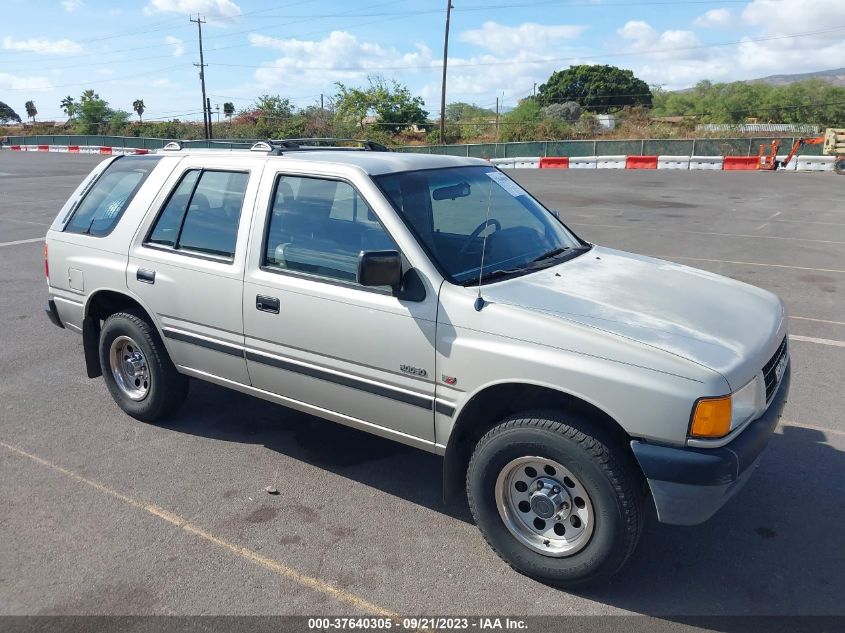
[
  {"x": 839, "y": 165},
  {"x": 555, "y": 499},
  {"x": 137, "y": 370}
]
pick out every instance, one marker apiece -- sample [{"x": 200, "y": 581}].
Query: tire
[
  {"x": 839, "y": 165},
  {"x": 609, "y": 518},
  {"x": 137, "y": 369}
]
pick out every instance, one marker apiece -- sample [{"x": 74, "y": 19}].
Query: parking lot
[{"x": 102, "y": 514}]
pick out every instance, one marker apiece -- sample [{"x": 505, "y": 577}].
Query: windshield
[{"x": 448, "y": 211}]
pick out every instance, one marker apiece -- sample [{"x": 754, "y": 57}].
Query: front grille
[{"x": 769, "y": 375}]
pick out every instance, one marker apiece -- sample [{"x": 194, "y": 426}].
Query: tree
[
  {"x": 228, "y": 109},
  {"x": 138, "y": 106},
  {"x": 391, "y": 103},
  {"x": 596, "y": 88},
  {"x": 7, "y": 114},
  {"x": 460, "y": 111},
  {"x": 94, "y": 116},
  {"x": 31, "y": 111},
  {"x": 522, "y": 123},
  {"x": 69, "y": 106}
]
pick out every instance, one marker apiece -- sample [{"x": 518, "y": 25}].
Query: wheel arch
[
  {"x": 100, "y": 305},
  {"x": 485, "y": 408}
]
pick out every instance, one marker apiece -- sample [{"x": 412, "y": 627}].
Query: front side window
[
  {"x": 202, "y": 213},
  {"x": 320, "y": 226},
  {"x": 99, "y": 211},
  {"x": 452, "y": 210}
]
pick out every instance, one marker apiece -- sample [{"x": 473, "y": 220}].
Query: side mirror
[{"x": 380, "y": 268}]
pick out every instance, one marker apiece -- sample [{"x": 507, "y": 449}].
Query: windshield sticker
[{"x": 505, "y": 183}]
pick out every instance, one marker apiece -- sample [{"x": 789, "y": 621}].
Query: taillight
[{"x": 46, "y": 264}]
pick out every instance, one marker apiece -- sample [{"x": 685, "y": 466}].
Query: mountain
[{"x": 835, "y": 77}]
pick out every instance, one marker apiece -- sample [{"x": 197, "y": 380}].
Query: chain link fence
[{"x": 747, "y": 146}]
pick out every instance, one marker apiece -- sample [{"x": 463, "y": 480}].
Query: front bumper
[{"x": 690, "y": 484}]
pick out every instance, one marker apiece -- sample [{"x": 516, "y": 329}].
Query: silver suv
[{"x": 433, "y": 301}]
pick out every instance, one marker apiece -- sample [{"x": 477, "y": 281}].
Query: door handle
[
  {"x": 146, "y": 276},
  {"x": 267, "y": 304}
]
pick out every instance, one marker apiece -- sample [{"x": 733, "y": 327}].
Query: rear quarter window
[{"x": 102, "y": 206}]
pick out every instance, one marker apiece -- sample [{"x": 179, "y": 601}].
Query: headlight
[{"x": 716, "y": 417}]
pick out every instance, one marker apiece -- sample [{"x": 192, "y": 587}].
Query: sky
[{"x": 299, "y": 49}]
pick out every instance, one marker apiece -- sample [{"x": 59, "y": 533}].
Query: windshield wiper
[{"x": 552, "y": 253}]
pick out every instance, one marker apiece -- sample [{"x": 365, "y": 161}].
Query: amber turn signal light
[{"x": 711, "y": 418}]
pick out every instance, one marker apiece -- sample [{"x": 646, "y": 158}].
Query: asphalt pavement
[{"x": 102, "y": 514}]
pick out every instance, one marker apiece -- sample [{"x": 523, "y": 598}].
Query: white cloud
[
  {"x": 71, "y": 5},
  {"x": 177, "y": 45},
  {"x": 777, "y": 16},
  {"x": 42, "y": 45},
  {"x": 671, "y": 44},
  {"x": 714, "y": 18},
  {"x": 338, "y": 57},
  {"x": 316, "y": 64},
  {"x": 30, "y": 84},
  {"x": 527, "y": 36},
  {"x": 216, "y": 11}
]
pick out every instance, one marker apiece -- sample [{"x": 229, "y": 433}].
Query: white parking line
[
  {"x": 729, "y": 261},
  {"x": 653, "y": 230},
  {"x": 16, "y": 242},
  {"x": 817, "y": 320},
  {"x": 24, "y": 221},
  {"x": 820, "y": 341}
]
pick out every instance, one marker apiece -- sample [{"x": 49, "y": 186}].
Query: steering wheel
[{"x": 474, "y": 235}]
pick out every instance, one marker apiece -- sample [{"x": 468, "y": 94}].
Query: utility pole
[
  {"x": 321, "y": 102},
  {"x": 497, "y": 119},
  {"x": 449, "y": 8},
  {"x": 534, "y": 93},
  {"x": 208, "y": 109},
  {"x": 206, "y": 114}
]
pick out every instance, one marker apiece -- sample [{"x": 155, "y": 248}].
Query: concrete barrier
[
  {"x": 641, "y": 162},
  {"x": 526, "y": 162},
  {"x": 554, "y": 162},
  {"x": 583, "y": 162},
  {"x": 706, "y": 162},
  {"x": 740, "y": 163},
  {"x": 503, "y": 163},
  {"x": 792, "y": 164},
  {"x": 611, "y": 162},
  {"x": 673, "y": 162},
  {"x": 815, "y": 163}
]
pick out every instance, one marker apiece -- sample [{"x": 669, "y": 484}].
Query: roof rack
[{"x": 278, "y": 146}]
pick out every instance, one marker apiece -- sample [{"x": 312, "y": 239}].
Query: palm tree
[
  {"x": 30, "y": 110},
  {"x": 138, "y": 106},
  {"x": 89, "y": 95},
  {"x": 228, "y": 109},
  {"x": 69, "y": 106}
]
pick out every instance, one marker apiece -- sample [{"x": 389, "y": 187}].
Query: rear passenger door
[
  {"x": 313, "y": 335},
  {"x": 187, "y": 264}
]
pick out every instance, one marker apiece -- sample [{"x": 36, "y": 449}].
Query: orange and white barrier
[
  {"x": 79, "y": 149},
  {"x": 673, "y": 162}
]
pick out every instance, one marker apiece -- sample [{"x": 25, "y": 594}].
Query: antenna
[{"x": 479, "y": 301}]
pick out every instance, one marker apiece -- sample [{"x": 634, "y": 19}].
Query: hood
[{"x": 723, "y": 324}]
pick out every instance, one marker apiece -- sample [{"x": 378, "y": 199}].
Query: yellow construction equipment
[{"x": 833, "y": 144}]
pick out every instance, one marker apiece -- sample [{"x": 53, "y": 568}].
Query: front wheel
[
  {"x": 839, "y": 165},
  {"x": 137, "y": 369},
  {"x": 556, "y": 500}
]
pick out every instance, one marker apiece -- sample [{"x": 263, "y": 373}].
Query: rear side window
[
  {"x": 99, "y": 211},
  {"x": 202, "y": 213}
]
